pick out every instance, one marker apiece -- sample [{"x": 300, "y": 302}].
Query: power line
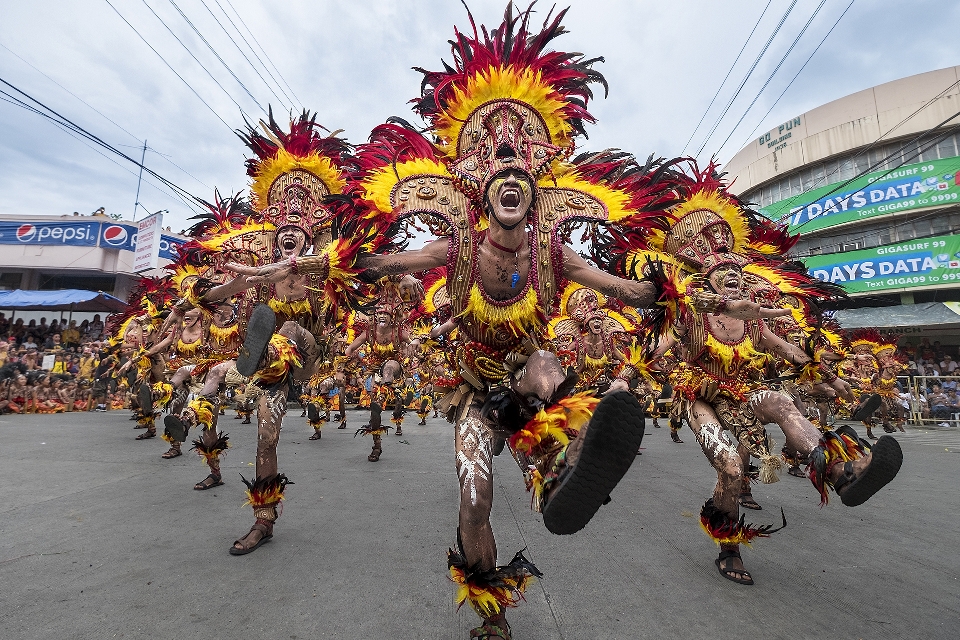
[
  {"x": 64, "y": 121},
  {"x": 899, "y": 151},
  {"x": 802, "y": 67},
  {"x": 244, "y": 54},
  {"x": 873, "y": 144},
  {"x": 743, "y": 82},
  {"x": 262, "y": 50},
  {"x": 214, "y": 52},
  {"x": 195, "y": 58},
  {"x": 104, "y": 116},
  {"x": 19, "y": 103},
  {"x": 726, "y": 77},
  {"x": 205, "y": 103},
  {"x": 775, "y": 70}
]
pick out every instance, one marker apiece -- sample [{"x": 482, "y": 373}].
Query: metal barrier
[{"x": 918, "y": 389}]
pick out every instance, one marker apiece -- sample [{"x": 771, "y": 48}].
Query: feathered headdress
[
  {"x": 294, "y": 172},
  {"x": 507, "y": 102}
]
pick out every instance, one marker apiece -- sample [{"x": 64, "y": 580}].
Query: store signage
[
  {"x": 912, "y": 186},
  {"x": 147, "y": 250},
  {"x": 918, "y": 263},
  {"x": 118, "y": 236},
  {"x": 106, "y": 235},
  {"x": 69, "y": 233},
  {"x": 168, "y": 245}
]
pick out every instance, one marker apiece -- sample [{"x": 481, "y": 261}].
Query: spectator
[
  {"x": 939, "y": 404},
  {"x": 43, "y": 328},
  {"x": 4, "y": 324},
  {"x": 55, "y": 326},
  {"x": 28, "y": 343},
  {"x": 52, "y": 343},
  {"x": 59, "y": 366},
  {"x": 86, "y": 364},
  {"x": 949, "y": 385},
  {"x": 948, "y": 365},
  {"x": 96, "y": 328},
  {"x": 71, "y": 335},
  {"x": 18, "y": 330}
]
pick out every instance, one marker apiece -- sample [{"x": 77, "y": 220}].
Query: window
[
  {"x": 52, "y": 282},
  {"x": 10, "y": 281}
]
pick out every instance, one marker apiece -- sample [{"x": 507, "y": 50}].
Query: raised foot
[
  {"x": 863, "y": 478},
  {"x": 596, "y": 461}
]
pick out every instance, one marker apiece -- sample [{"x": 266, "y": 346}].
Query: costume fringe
[
  {"x": 204, "y": 410},
  {"x": 215, "y": 451},
  {"x": 490, "y": 592},
  {"x": 555, "y": 424},
  {"x": 365, "y": 430},
  {"x": 723, "y": 530},
  {"x": 264, "y": 492},
  {"x": 287, "y": 356},
  {"x": 833, "y": 449}
]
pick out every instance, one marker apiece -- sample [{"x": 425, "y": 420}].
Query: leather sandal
[
  {"x": 203, "y": 485},
  {"x": 266, "y": 534},
  {"x": 172, "y": 452},
  {"x": 729, "y": 574},
  {"x": 149, "y": 433}
]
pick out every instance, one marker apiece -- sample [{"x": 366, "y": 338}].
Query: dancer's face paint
[{"x": 510, "y": 194}]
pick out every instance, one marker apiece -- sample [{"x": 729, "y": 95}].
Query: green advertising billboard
[
  {"x": 912, "y": 186},
  {"x": 918, "y": 263}
]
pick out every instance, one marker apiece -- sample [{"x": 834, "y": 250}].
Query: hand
[{"x": 268, "y": 273}]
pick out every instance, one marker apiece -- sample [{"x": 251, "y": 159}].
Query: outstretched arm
[
  {"x": 372, "y": 267},
  {"x": 631, "y": 292}
]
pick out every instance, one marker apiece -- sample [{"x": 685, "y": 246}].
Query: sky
[{"x": 350, "y": 61}]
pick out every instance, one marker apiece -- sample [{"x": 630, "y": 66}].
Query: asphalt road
[{"x": 101, "y": 538}]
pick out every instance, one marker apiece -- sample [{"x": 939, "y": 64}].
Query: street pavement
[{"x": 101, "y": 538}]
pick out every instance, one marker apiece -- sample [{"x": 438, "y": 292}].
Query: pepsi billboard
[
  {"x": 168, "y": 246},
  {"x": 67, "y": 233},
  {"x": 118, "y": 236}
]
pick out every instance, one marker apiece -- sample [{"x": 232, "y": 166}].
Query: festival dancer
[
  {"x": 385, "y": 342},
  {"x": 499, "y": 188},
  {"x": 720, "y": 384}
]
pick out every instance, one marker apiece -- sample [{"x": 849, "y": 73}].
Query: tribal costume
[{"x": 716, "y": 245}]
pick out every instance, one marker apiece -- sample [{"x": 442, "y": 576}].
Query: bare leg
[
  {"x": 474, "y": 449},
  {"x": 306, "y": 345},
  {"x": 724, "y": 457}
]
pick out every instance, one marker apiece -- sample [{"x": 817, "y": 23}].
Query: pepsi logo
[
  {"x": 115, "y": 236},
  {"x": 26, "y": 232}
]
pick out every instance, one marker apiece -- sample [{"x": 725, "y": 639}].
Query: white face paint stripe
[
  {"x": 474, "y": 456},
  {"x": 713, "y": 440}
]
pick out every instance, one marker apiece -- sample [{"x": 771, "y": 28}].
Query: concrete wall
[{"x": 854, "y": 121}]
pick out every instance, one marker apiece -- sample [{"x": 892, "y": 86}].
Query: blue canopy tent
[{"x": 63, "y": 300}]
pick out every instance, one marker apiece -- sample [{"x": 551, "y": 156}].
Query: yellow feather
[
  {"x": 379, "y": 186},
  {"x": 284, "y": 162}
]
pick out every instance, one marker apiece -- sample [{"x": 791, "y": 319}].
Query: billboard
[
  {"x": 148, "y": 243},
  {"x": 168, "y": 245},
  {"x": 918, "y": 263},
  {"x": 912, "y": 186},
  {"x": 73, "y": 233},
  {"x": 118, "y": 236}
]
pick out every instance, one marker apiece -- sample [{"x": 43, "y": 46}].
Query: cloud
[{"x": 351, "y": 62}]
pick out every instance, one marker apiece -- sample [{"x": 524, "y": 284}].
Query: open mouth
[
  {"x": 289, "y": 244},
  {"x": 510, "y": 197}
]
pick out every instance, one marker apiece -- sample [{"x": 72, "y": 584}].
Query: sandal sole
[
  {"x": 175, "y": 428},
  {"x": 609, "y": 448},
  {"x": 867, "y": 409},
  {"x": 242, "y": 552},
  {"x": 260, "y": 328},
  {"x": 201, "y": 487},
  {"x": 884, "y": 466}
]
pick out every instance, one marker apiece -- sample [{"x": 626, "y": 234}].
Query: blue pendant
[{"x": 514, "y": 279}]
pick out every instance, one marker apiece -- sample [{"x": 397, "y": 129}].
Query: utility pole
[{"x": 136, "y": 202}]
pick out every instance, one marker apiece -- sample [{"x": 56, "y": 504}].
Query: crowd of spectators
[
  {"x": 934, "y": 371},
  {"x": 56, "y": 367}
]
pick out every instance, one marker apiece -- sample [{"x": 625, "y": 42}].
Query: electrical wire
[
  {"x": 6, "y": 97},
  {"x": 802, "y": 67},
  {"x": 262, "y": 50},
  {"x": 196, "y": 59},
  {"x": 725, "y": 78},
  {"x": 770, "y": 77},
  {"x": 743, "y": 82},
  {"x": 217, "y": 55},
  {"x": 934, "y": 142},
  {"x": 92, "y": 137},
  {"x": 105, "y": 117},
  {"x": 244, "y": 54},
  {"x": 205, "y": 103}
]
